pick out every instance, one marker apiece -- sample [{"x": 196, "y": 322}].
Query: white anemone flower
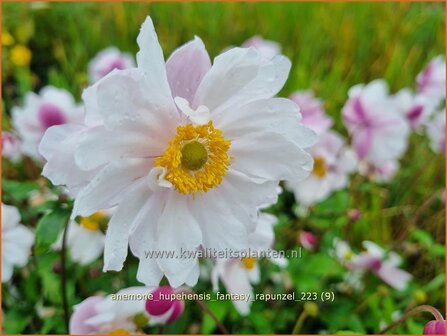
[
  {"x": 52, "y": 106},
  {"x": 333, "y": 162},
  {"x": 85, "y": 240},
  {"x": 239, "y": 275},
  {"x": 186, "y": 150},
  {"x": 17, "y": 240}
]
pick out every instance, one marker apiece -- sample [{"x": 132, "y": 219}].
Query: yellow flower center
[
  {"x": 119, "y": 331},
  {"x": 249, "y": 263},
  {"x": 93, "y": 222},
  {"x": 319, "y": 167},
  {"x": 196, "y": 159}
]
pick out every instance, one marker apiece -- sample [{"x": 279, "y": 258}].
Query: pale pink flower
[
  {"x": 379, "y": 131},
  {"x": 268, "y": 49},
  {"x": 107, "y": 60},
  {"x": 103, "y": 315},
  {"x": 333, "y": 162},
  {"x": 431, "y": 81},
  {"x": 10, "y": 146},
  {"x": 162, "y": 308},
  {"x": 239, "y": 275},
  {"x": 416, "y": 108},
  {"x": 312, "y": 110},
  {"x": 41, "y": 111},
  {"x": 384, "y": 265},
  {"x": 435, "y": 130},
  {"x": 248, "y": 141}
]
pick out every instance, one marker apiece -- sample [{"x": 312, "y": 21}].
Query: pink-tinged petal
[
  {"x": 267, "y": 48},
  {"x": 128, "y": 215},
  {"x": 50, "y": 115},
  {"x": 362, "y": 142},
  {"x": 312, "y": 111},
  {"x": 435, "y": 327},
  {"x": 186, "y": 67},
  {"x": 394, "y": 276},
  {"x": 150, "y": 60},
  {"x": 82, "y": 312}
]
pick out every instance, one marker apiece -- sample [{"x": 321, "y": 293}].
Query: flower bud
[
  {"x": 163, "y": 307},
  {"x": 435, "y": 327},
  {"x": 307, "y": 240}
]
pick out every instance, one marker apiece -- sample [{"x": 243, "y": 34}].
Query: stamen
[
  {"x": 319, "y": 167},
  {"x": 196, "y": 159},
  {"x": 249, "y": 263}
]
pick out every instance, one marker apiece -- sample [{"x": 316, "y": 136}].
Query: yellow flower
[
  {"x": 7, "y": 39},
  {"x": 20, "y": 55}
]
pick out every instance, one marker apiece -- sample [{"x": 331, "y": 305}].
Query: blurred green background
[{"x": 332, "y": 47}]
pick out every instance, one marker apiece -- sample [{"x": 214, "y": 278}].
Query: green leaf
[
  {"x": 14, "y": 321},
  {"x": 219, "y": 309},
  {"x": 19, "y": 191},
  {"x": 49, "y": 228}
]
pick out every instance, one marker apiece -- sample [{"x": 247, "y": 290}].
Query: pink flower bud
[
  {"x": 164, "y": 305},
  {"x": 435, "y": 327},
  {"x": 308, "y": 240},
  {"x": 354, "y": 214}
]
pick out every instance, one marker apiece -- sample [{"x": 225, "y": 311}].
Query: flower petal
[
  {"x": 241, "y": 76},
  {"x": 150, "y": 60},
  {"x": 99, "y": 146},
  {"x": 127, "y": 215},
  {"x": 270, "y": 156},
  {"x": 277, "y": 115},
  {"x": 178, "y": 231},
  {"x": 186, "y": 67},
  {"x": 107, "y": 187}
]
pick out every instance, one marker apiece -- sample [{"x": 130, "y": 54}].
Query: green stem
[
  {"x": 419, "y": 309},
  {"x": 299, "y": 323},
  {"x": 64, "y": 277}
]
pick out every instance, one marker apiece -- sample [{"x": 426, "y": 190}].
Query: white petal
[
  {"x": 270, "y": 156},
  {"x": 142, "y": 240},
  {"x": 240, "y": 76},
  {"x": 128, "y": 214},
  {"x": 125, "y": 97},
  {"x": 278, "y": 115},
  {"x": 99, "y": 146},
  {"x": 151, "y": 61},
  {"x": 107, "y": 187},
  {"x": 178, "y": 230}
]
